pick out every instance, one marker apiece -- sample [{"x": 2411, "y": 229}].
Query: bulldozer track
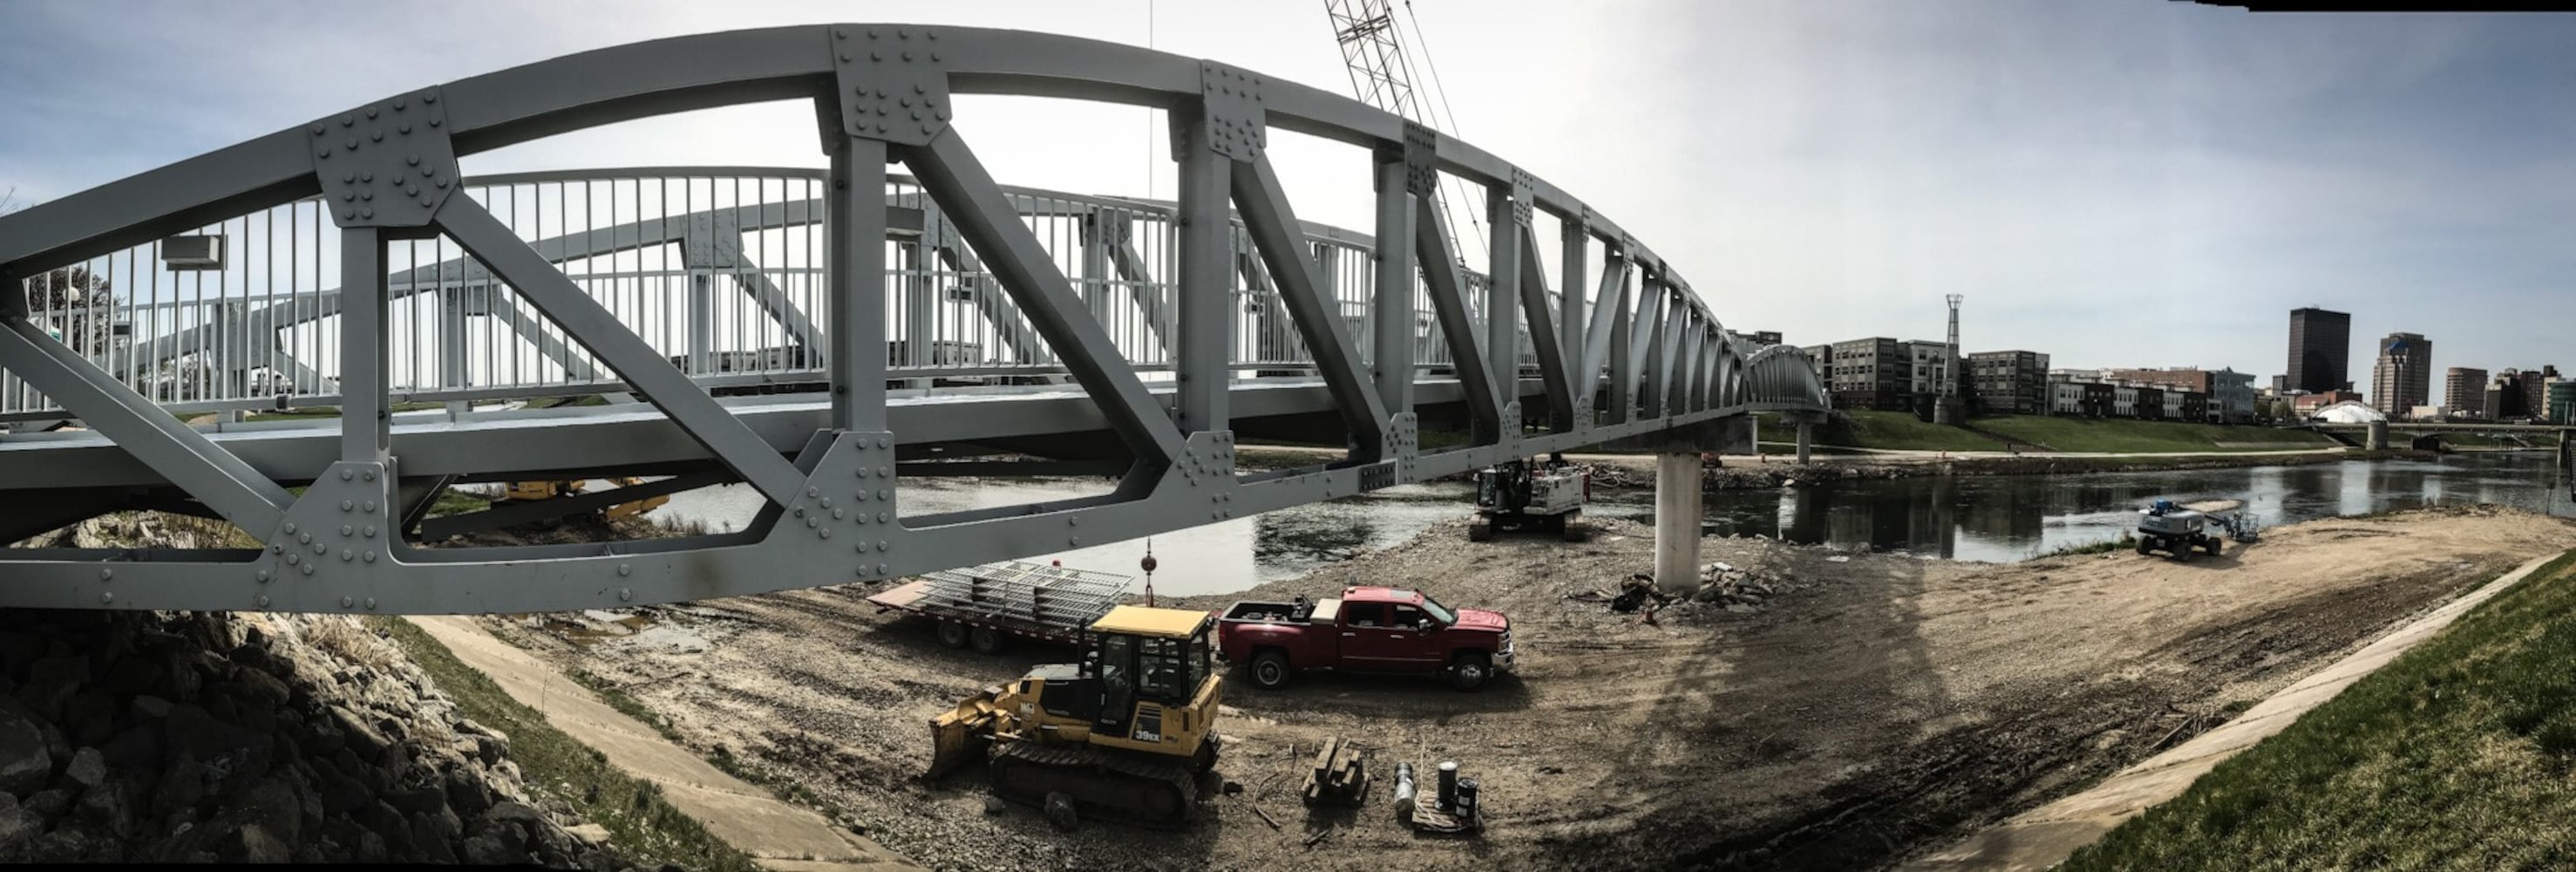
[{"x": 1105, "y": 785}]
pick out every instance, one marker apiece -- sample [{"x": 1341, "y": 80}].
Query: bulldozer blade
[{"x": 960, "y": 737}]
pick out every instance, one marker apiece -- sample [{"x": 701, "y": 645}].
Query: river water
[{"x": 1992, "y": 518}]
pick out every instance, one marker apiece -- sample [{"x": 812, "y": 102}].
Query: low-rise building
[
  {"x": 2010, "y": 383},
  {"x": 2562, "y": 402},
  {"x": 1870, "y": 374},
  {"x": 2306, "y": 404}
]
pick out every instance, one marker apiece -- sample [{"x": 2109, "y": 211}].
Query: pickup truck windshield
[{"x": 1439, "y": 612}]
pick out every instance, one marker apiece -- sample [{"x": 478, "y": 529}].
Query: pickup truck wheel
[
  {"x": 986, "y": 640},
  {"x": 952, "y": 634},
  {"x": 1270, "y": 670},
  {"x": 1471, "y": 671}
]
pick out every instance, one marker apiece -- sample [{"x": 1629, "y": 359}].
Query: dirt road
[{"x": 1877, "y": 708}]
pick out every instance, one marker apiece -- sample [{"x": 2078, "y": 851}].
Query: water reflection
[
  {"x": 1973, "y": 518},
  {"x": 2012, "y": 517}
]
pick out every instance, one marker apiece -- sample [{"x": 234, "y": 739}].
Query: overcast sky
[{"x": 2131, "y": 183}]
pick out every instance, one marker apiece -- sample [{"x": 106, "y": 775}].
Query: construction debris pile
[{"x": 1721, "y": 585}]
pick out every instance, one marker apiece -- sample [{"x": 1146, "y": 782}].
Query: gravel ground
[{"x": 1876, "y": 706}]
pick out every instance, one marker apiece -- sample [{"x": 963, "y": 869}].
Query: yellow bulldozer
[
  {"x": 533, "y": 491},
  {"x": 1123, "y": 735}
]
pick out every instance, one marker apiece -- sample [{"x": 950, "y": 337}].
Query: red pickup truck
[{"x": 1368, "y": 629}]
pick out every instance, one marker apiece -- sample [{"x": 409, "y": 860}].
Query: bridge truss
[{"x": 814, "y": 336}]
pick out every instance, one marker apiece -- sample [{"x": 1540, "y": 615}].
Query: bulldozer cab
[{"x": 1148, "y": 661}]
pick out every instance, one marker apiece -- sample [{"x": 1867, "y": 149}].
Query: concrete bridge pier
[
  {"x": 2376, "y": 438},
  {"x": 1680, "y": 492},
  {"x": 1678, "y": 507}
]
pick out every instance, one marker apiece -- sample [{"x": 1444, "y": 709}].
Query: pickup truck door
[
  {"x": 1367, "y": 641},
  {"x": 1410, "y": 643}
]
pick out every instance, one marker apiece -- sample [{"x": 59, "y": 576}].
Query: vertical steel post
[
  {"x": 1206, "y": 286},
  {"x": 1570, "y": 321},
  {"x": 856, "y": 284},
  {"x": 1502, "y": 307},
  {"x": 363, "y": 417},
  {"x": 1392, "y": 307}
]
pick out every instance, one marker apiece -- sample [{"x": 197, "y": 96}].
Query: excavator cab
[{"x": 1124, "y": 732}]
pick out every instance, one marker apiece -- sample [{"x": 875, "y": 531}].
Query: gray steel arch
[{"x": 827, "y": 467}]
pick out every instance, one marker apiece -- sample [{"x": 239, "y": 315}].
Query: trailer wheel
[
  {"x": 952, "y": 634},
  {"x": 986, "y": 640},
  {"x": 1270, "y": 670}
]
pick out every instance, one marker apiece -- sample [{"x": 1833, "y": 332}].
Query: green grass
[
  {"x": 2087, "y": 434},
  {"x": 455, "y": 502},
  {"x": 639, "y": 821},
  {"x": 2461, "y": 754},
  {"x": 1894, "y": 431}
]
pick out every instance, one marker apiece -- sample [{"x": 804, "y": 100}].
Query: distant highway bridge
[{"x": 818, "y": 336}]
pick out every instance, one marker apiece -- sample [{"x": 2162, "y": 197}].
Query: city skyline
[{"x": 1832, "y": 172}]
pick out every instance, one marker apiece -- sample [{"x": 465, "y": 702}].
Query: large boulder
[{"x": 25, "y": 762}]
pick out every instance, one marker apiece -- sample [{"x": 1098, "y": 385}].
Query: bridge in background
[{"x": 818, "y": 336}]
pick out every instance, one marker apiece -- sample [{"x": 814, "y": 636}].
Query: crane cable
[{"x": 1465, "y": 191}]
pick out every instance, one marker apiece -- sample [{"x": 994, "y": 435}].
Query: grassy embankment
[
  {"x": 2459, "y": 754},
  {"x": 639, "y": 822},
  {"x": 1900, "y": 431}
]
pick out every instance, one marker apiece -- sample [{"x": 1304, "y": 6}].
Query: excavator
[{"x": 1122, "y": 735}]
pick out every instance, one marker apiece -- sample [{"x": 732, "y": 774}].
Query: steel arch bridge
[{"x": 815, "y": 335}]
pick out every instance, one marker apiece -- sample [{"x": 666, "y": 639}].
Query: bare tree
[{"x": 76, "y": 304}]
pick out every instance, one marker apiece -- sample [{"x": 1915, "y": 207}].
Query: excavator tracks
[{"x": 1105, "y": 785}]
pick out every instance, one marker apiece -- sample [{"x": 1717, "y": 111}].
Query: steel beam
[
  {"x": 364, "y": 415},
  {"x": 1544, "y": 342},
  {"x": 1391, "y": 312},
  {"x": 1272, "y": 224},
  {"x": 857, "y": 279},
  {"x": 1484, "y": 387},
  {"x": 950, "y": 173},
  {"x": 1502, "y": 301},
  {"x": 180, "y": 455},
  {"x": 582, "y": 318},
  {"x": 1205, "y": 291}
]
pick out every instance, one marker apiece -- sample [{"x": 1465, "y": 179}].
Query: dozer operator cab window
[{"x": 1171, "y": 669}]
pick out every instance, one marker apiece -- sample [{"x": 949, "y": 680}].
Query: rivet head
[
  {"x": 370, "y": 556},
  {"x": 433, "y": 121},
  {"x": 825, "y": 532},
  {"x": 881, "y": 545},
  {"x": 345, "y": 475},
  {"x": 308, "y": 569},
  {"x": 263, "y": 601},
  {"x": 317, "y": 129},
  {"x": 348, "y": 120},
  {"x": 107, "y": 597},
  {"x": 810, "y": 522},
  {"x": 306, "y": 538},
  {"x": 346, "y": 602},
  {"x": 886, "y": 471},
  {"x": 412, "y": 159},
  {"x": 836, "y": 514},
  {"x": 882, "y": 517},
  {"x": 346, "y": 530},
  {"x": 884, "y": 494},
  {"x": 800, "y": 511},
  {"x": 293, "y": 559},
  {"x": 366, "y": 213},
  {"x": 346, "y": 505},
  {"x": 431, "y": 97},
  {"x": 368, "y": 506},
  {"x": 624, "y": 570},
  {"x": 398, "y": 104},
  {"x": 274, "y": 548},
  {"x": 881, "y": 569},
  {"x": 626, "y": 593},
  {"x": 371, "y": 112},
  {"x": 262, "y": 576},
  {"x": 371, "y": 604},
  {"x": 346, "y": 555},
  {"x": 369, "y": 475}
]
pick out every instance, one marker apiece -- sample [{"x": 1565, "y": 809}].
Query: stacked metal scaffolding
[{"x": 1052, "y": 596}]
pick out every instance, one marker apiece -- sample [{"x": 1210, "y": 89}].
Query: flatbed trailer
[{"x": 981, "y": 607}]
